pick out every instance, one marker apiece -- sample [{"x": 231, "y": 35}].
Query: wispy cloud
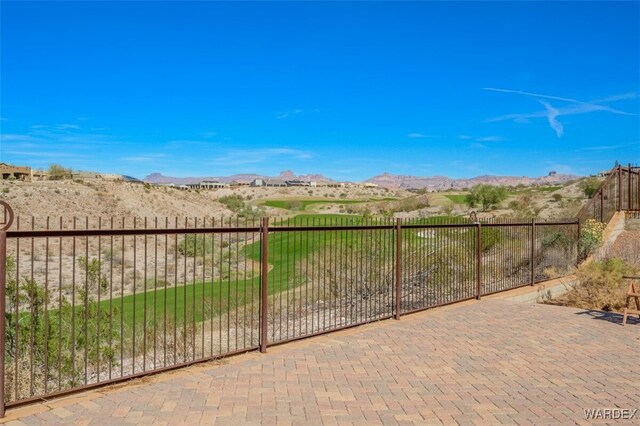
[
  {"x": 10, "y": 137},
  {"x": 607, "y": 147},
  {"x": 68, "y": 126},
  {"x": 490, "y": 139},
  {"x": 552, "y": 113},
  {"x": 285, "y": 114},
  {"x": 146, "y": 158},
  {"x": 416, "y": 136},
  {"x": 481, "y": 138},
  {"x": 476, "y": 145},
  {"x": 41, "y": 144}
]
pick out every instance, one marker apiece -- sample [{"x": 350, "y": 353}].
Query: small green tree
[
  {"x": 485, "y": 196},
  {"x": 590, "y": 186},
  {"x": 57, "y": 172}
]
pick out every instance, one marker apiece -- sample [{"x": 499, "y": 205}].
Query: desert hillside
[{"x": 121, "y": 199}]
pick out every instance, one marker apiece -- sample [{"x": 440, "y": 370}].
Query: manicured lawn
[
  {"x": 456, "y": 198},
  {"x": 302, "y": 204},
  {"x": 288, "y": 251}
]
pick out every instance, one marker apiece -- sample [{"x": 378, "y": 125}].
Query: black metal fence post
[
  {"x": 4, "y": 226},
  {"x": 398, "y": 267},
  {"x": 619, "y": 188},
  {"x": 629, "y": 187},
  {"x": 533, "y": 251},
  {"x": 3, "y": 292},
  {"x": 601, "y": 205},
  {"x": 579, "y": 257},
  {"x": 478, "y": 260},
  {"x": 264, "y": 282}
]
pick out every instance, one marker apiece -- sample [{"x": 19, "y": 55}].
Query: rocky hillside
[
  {"x": 123, "y": 199},
  {"x": 441, "y": 183}
]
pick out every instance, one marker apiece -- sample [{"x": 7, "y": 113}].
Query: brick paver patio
[{"x": 487, "y": 362}]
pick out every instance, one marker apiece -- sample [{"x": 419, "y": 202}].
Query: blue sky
[{"x": 347, "y": 89}]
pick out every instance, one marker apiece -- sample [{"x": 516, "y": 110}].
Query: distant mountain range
[
  {"x": 384, "y": 180},
  {"x": 440, "y": 183}
]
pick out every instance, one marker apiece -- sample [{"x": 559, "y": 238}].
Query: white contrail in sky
[
  {"x": 537, "y": 95},
  {"x": 552, "y": 113}
]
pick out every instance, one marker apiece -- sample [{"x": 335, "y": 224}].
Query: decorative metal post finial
[{"x": 7, "y": 217}]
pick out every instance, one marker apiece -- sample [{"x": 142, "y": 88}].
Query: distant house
[
  {"x": 370, "y": 185},
  {"x": 8, "y": 171},
  {"x": 182, "y": 187},
  {"x": 272, "y": 183},
  {"x": 276, "y": 183},
  {"x": 82, "y": 175},
  {"x": 193, "y": 185},
  {"x": 235, "y": 183},
  {"x": 297, "y": 183},
  {"x": 213, "y": 184}
]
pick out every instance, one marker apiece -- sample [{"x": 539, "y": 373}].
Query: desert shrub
[
  {"x": 235, "y": 202},
  {"x": 556, "y": 239},
  {"x": 110, "y": 256},
  {"x": 92, "y": 270},
  {"x": 62, "y": 337},
  {"x": 591, "y": 234},
  {"x": 490, "y": 237},
  {"x": 250, "y": 212},
  {"x": 195, "y": 244},
  {"x": 346, "y": 280},
  {"x": 589, "y": 186},
  {"x": 447, "y": 208},
  {"x": 524, "y": 208},
  {"x": 388, "y": 208},
  {"x": 601, "y": 286},
  {"x": 557, "y": 197}
]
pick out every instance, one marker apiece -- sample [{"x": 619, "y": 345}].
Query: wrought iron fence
[
  {"x": 619, "y": 191},
  {"x": 94, "y": 301}
]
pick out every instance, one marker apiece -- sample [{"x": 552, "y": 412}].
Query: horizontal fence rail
[{"x": 90, "y": 302}]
